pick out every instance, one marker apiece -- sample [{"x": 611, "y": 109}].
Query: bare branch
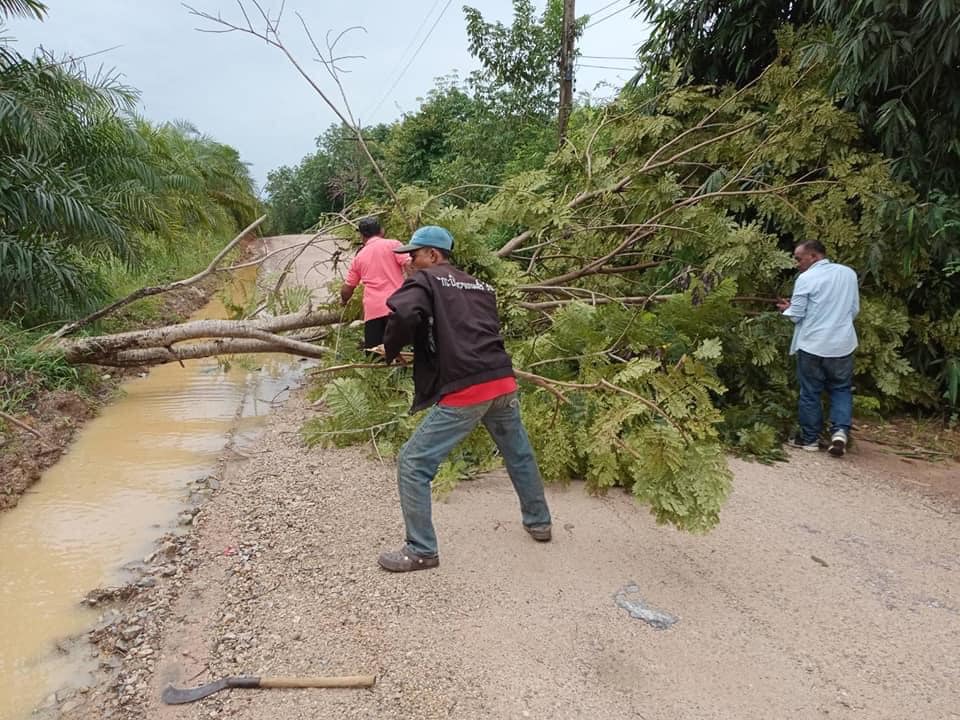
[
  {"x": 271, "y": 36},
  {"x": 156, "y": 290},
  {"x": 628, "y": 300},
  {"x": 245, "y": 16},
  {"x": 23, "y": 426},
  {"x": 88, "y": 349}
]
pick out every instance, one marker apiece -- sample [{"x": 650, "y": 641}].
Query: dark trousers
[
  {"x": 818, "y": 374},
  {"x": 373, "y": 331}
]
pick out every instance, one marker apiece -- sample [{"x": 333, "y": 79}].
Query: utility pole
[{"x": 566, "y": 69}]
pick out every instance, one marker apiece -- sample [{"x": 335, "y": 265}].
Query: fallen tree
[{"x": 636, "y": 275}]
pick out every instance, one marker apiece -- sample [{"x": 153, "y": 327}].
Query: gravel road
[{"x": 831, "y": 589}]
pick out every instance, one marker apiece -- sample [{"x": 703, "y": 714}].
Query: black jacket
[{"x": 451, "y": 320}]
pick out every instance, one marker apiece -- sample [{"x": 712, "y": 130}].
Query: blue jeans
[
  {"x": 437, "y": 435},
  {"x": 816, "y": 374}
]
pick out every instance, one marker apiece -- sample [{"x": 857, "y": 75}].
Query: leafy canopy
[{"x": 83, "y": 182}]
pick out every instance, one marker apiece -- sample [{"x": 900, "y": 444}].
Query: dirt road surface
[
  {"x": 831, "y": 589},
  {"x": 312, "y": 266}
]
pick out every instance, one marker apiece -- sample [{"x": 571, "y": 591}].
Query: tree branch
[
  {"x": 627, "y": 300},
  {"x": 553, "y": 385},
  {"x": 156, "y": 290},
  {"x": 23, "y": 426},
  {"x": 227, "y": 346},
  {"x": 91, "y": 349},
  {"x": 271, "y": 36}
]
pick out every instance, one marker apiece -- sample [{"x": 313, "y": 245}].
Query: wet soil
[{"x": 56, "y": 415}]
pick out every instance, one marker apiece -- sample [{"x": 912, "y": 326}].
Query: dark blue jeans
[
  {"x": 816, "y": 374},
  {"x": 437, "y": 435}
]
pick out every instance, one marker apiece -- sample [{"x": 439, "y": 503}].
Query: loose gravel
[{"x": 831, "y": 589}]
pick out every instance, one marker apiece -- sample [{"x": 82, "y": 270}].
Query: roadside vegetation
[
  {"x": 638, "y": 263},
  {"x": 95, "y": 203}
]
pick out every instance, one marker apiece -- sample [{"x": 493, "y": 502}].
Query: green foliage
[
  {"x": 356, "y": 414},
  {"x": 476, "y": 453},
  {"x": 760, "y": 442},
  {"x": 26, "y": 8},
  {"x": 721, "y": 187},
  {"x": 444, "y": 147},
  {"x": 84, "y": 183},
  {"x": 519, "y": 75},
  {"x": 337, "y": 175},
  {"x": 895, "y": 63},
  {"x": 24, "y": 372},
  {"x": 717, "y": 41},
  {"x": 422, "y": 144},
  {"x": 684, "y": 483},
  {"x": 371, "y": 407},
  {"x": 647, "y": 305}
]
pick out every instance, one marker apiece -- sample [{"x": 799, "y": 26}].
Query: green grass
[
  {"x": 162, "y": 262},
  {"x": 24, "y": 372}
]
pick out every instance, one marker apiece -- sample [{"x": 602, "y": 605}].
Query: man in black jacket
[{"x": 460, "y": 366}]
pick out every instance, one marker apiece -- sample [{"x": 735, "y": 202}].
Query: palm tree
[
  {"x": 50, "y": 214},
  {"x": 83, "y": 179},
  {"x": 26, "y": 8}
]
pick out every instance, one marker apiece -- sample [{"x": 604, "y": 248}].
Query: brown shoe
[
  {"x": 540, "y": 533},
  {"x": 403, "y": 560}
]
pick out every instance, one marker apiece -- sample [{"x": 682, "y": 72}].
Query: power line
[
  {"x": 608, "y": 5},
  {"x": 606, "y": 67},
  {"x": 609, "y": 57},
  {"x": 414, "y": 57},
  {"x": 607, "y": 17},
  {"x": 413, "y": 38}
]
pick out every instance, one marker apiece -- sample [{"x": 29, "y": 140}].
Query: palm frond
[
  {"x": 39, "y": 278},
  {"x": 25, "y": 8}
]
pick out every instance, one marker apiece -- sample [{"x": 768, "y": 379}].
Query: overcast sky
[{"x": 246, "y": 94}]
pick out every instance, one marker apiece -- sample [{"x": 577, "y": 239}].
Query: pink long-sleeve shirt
[{"x": 380, "y": 270}]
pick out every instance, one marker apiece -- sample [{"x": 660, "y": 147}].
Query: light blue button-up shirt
[{"x": 824, "y": 303}]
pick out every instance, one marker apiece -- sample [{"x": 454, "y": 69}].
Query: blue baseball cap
[{"x": 428, "y": 236}]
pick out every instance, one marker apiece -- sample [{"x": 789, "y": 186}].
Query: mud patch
[{"x": 57, "y": 414}]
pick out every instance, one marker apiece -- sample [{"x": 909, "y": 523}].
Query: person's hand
[
  {"x": 402, "y": 358},
  {"x": 783, "y": 304}
]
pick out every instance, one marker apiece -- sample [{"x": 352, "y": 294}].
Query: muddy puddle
[{"x": 120, "y": 486}]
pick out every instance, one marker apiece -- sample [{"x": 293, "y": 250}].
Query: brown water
[{"x": 118, "y": 488}]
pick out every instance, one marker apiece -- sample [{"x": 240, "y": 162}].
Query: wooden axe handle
[{"x": 349, "y": 681}]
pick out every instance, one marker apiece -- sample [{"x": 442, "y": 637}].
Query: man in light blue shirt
[{"x": 824, "y": 303}]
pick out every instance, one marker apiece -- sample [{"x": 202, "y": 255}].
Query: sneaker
[
  {"x": 540, "y": 533},
  {"x": 403, "y": 560},
  {"x": 809, "y": 447},
  {"x": 838, "y": 443}
]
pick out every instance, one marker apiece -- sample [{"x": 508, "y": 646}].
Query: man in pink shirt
[{"x": 380, "y": 269}]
